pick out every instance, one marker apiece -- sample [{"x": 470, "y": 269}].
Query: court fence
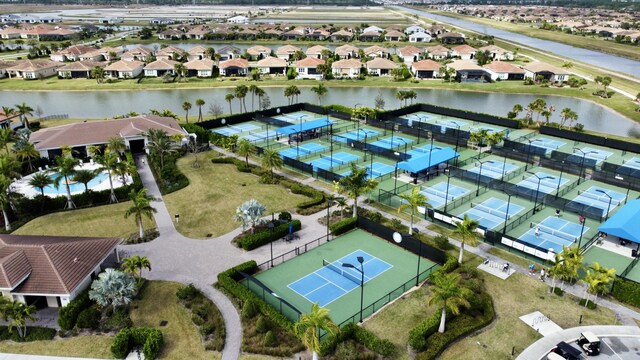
[
  {"x": 279, "y": 259},
  {"x": 267, "y": 295}
]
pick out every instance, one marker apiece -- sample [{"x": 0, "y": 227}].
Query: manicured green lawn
[
  {"x": 207, "y": 205},
  {"x": 107, "y": 220},
  {"x": 95, "y": 346}
]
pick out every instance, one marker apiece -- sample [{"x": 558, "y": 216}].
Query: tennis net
[
  {"x": 346, "y": 274},
  {"x": 594, "y": 155},
  {"x": 440, "y": 194},
  {"x": 332, "y": 160},
  {"x": 557, "y": 233},
  {"x": 237, "y": 128},
  {"x": 493, "y": 168},
  {"x": 604, "y": 199},
  {"x": 489, "y": 210}
]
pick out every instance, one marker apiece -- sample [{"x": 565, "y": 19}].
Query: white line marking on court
[
  {"x": 614, "y": 352},
  {"x": 331, "y": 282},
  {"x": 318, "y": 288}
]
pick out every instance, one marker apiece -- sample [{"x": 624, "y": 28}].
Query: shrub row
[
  {"x": 626, "y": 291},
  {"x": 352, "y": 331},
  {"x": 68, "y": 315},
  {"x": 317, "y": 196},
  {"x": 34, "y": 333},
  {"x": 253, "y": 241},
  {"x": 169, "y": 178},
  {"x": 205, "y": 315},
  {"x": 344, "y": 225},
  {"x": 419, "y": 334},
  {"x": 150, "y": 339}
]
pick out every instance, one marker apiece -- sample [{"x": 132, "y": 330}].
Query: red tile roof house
[
  {"x": 160, "y": 67},
  {"x": 548, "y": 72},
  {"x": 409, "y": 54},
  {"x": 376, "y": 51},
  {"x": 380, "y": 67},
  {"x": 50, "y": 271},
  {"x": 438, "y": 52},
  {"x": 394, "y": 35},
  {"x": 346, "y": 68},
  {"x": 72, "y": 53},
  {"x": 307, "y": 68},
  {"x": 258, "y": 52},
  {"x": 138, "y": 54},
  {"x": 272, "y": 65},
  {"x": 370, "y": 36},
  {"x": 197, "y": 53},
  {"x": 33, "y": 69},
  {"x": 80, "y": 136},
  {"x": 286, "y": 52},
  {"x": 346, "y": 51},
  {"x": 170, "y": 53},
  {"x": 236, "y": 67},
  {"x": 425, "y": 69},
  {"x": 464, "y": 52},
  {"x": 79, "y": 69},
  {"x": 498, "y": 53},
  {"x": 504, "y": 71},
  {"x": 124, "y": 69}
]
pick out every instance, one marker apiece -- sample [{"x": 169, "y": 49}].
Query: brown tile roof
[
  {"x": 426, "y": 65},
  {"x": 342, "y": 33},
  {"x": 394, "y": 33},
  {"x": 464, "y": 49},
  {"x": 204, "y": 64},
  {"x": 197, "y": 50},
  {"x": 161, "y": 64},
  {"x": 464, "y": 65},
  {"x": 380, "y": 63},
  {"x": 287, "y": 49},
  {"x": 316, "y": 49},
  {"x": 346, "y": 64},
  {"x": 170, "y": 50},
  {"x": 451, "y": 34},
  {"x": 6, "y": 64},
  {"x": 241, "y": 63},
  {"x": 374, "y": 49},
  {"x": 123, "y": 65},
  {"x": 370, "y": 34},
  {"x": 34, "y": 65},
  {"x": 272, "y": 62},
  {"x": 99, "y": 132},
  {"x": 75, "y": 50},
  {"x": 83, "y": 65},
  {"x": 494, "y": 49},
  {"x": 503, "y": 67},
  {"x": 346, "y": 49},
  {"x": 309, "y": 62},
  {"x": 538, "y": 66},
  {"x": 438, "y": 50},
  {"x": 258, "y": 49},
  {"x": 409, "y": 50},
  {"x": 55, "y": 264}
]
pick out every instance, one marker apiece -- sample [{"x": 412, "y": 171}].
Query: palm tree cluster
[
  {"x": 539, "y": 106},
  {"x": 161, "y": 145},
  {"x": 186, "y": 106},
  {"x": 133, "y": 265},
  {"x": 240, "y": 93},
  {"x": 17, "y": 314},
  {"x": 404, "y": 95},
  {"x": 292, "y": 92}
]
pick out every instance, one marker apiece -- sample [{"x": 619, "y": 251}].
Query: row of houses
[{"x": 38, "y": 32}]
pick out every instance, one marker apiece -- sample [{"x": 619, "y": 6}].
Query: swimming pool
[{"x": 74, "y": 187}]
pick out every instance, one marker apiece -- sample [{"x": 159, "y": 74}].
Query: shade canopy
[
  {"x": 305, "y": 126},
  {"x": 419, "y": 163},
  {"x": 624, "y": 222}
]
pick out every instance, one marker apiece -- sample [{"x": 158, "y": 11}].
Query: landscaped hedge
[
  {"x": 626, "y": 291},
  {"x": 360, "y": 334},
  {"x": 317, "y": 197},
  {"x": 150, "y": 339},
  {"x": 419, "y": 334},
  {"x": 68, "y": 315},
  {"x": 205, "y": 315},
  {"x": 34, "y": 333},
  {"x": 344, "y": 225},
  {"x": 253, "y": 241}
]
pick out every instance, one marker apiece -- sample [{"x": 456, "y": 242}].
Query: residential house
[
  {"x": 548, "y": 72},
  {"x": 393, "y": 35},
  {"x": 380, "y": 66},
  {"x": 50, "y": 271},
  {"x": 248, "y": 33},
  {"x": 409, "y": 54},
  {"x": 293, "y": 34},
  {"x": 348, "y": 68},
  {"x": 498, "y": 53},
  {"x": 469, "y": 71},
  {"x": 287, "y": 52},
  {"x": 239, "y": 19},
  {"x": 425, "y": 69},
  {"x": 376, "y": 51},
  {"x": 272, "y": 33},
  {"x": 160, "y": 67},
  {"x": 111, "y": 53},
  {"x": 161, "y": 21},
  {"x": 234, "y": 67},
  {"x": 316, "y": 51},
  {"x": 370, "y": 36},
  {"x": 438, "y": 52},
  {"x": 9, "y": 33},
  {"x": 79, "y": 69},
  {"x": 342, "y": 35},
  {"x": 200, "y": 68},
  {"x": 4, "y": 65},
  {"x": 451, "y": 38},
  {"x": 33, "y": 69},
  {"x": 464, "y": 52},
  {"x": 81, "y": 136},
  {"x": 504, "y": 71},
  {"x": 419, "y": 37},
  {"x": 72, "y": 53},
  {"x": 199, "y": 32},
  {"x": 372, "y": 28},
  {"x": 95, "y": 55},
  {"x": 347, "y": 51},
  {"x": 197, "y": 53},
  {"x": 228, "y": 53},
  {"x": 5, "y": 121},
  {"x": 307, "y": 68},
  {"x": 140, "y": 53},
  {"x": 318, "y": 34},
  {"x": 170, "y": 53},
  {"x": 414, "y": 29},
  {"x": 258, "y": 52},
  {"x": 171, "y": 34},
  {"x": 124, "y": 69},
  {"x": 272, "y": 65}
]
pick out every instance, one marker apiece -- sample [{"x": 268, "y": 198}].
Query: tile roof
[
  {"x": 169, "y": 50},
  {"x": 124, "y": 65},
  {"x": 258, "y": 49},
  {"x": 34, "y": 65},
  {"x": 374, "y": 49},
  {"x": 75, "y": 50},
  {"x": 161, "y": 64},
  {"x": 83, "y": 65},
  {"x": 51, "y": 264},
  {"x": 464, "y": 65},
  {"x": 241, "y": 63},
  {"x": 309, "y": 62},
  {"x": 409, "y": 50},
  {"x": 380, "y": 63},
  {"x": 494, "y": 49},
  {"x": 346, "y": 64},
  {"x": 503, "y": 67},
  {"x": 287, "y": 49},
  {"x": 426, "y": 65},
  {"x": 537, "y": 66},
  {"x": 451, "y": 34},
  {"x": 464, "y": 49},
  {"x": 316, "y": 49},
  {"x": 197, "y": 50},
  {"x": 272, "y": 62},
  {"x": 204, "y": 64},
  {"x": 342, "y": 33},
  {"x": 438, "y": 50},
  {"x": 346, "y": 50}
]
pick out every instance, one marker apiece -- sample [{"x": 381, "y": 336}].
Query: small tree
[
  {"x": 355, "y": 184},
  {"x": 245, "y": 148},
  {"x": 413, "y": 201},
  {"x": 449, "y": 294},
  {"x": 19, "y": 314},
  {"x": 249, "y": 213},
  {"x": 84, "y": 177},
  {"x": 320, "y": 90},
  {"x": 200, "y": 103},
  {"x": 112, "y": 288},
  {"x": 186, "y": 106},
  {"x": 141, "y": 207},
  {"x": 66, "y": 170},
  {"x": 134, "y": 264},
  {"x": 229, "y": 98},
  {"x": 40, "y": 180},
  {"x": 466, "y": 230},
  {"x": 605, "y": 81},
  {"x": 309, "y": 326},
  {"x": 271, "y": 159}
]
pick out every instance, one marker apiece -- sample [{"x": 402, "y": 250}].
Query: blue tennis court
[
  {"x": 236, "y": 129},
  {"x": 633, "y": 163},
  {"x": 595, "y": 197},
  {"x": 438, "y": 193},
  {"x": 255, "y": 137},
  {"x": 226, "y": 131},
  {"x": 597, "y": 155},
  {"x": 423, "y": 150},
  {"x": 304, "y": 149},
  {"x": 494, "y": 169},
  {"x": 417, "y": 116},
  {"x": 332, "y": 280},
  {"x": 357, "y": 135},
  {"x": 326, "y": 162},
  {"x": 553, "y": 233},
  {"x": 492, "y": 212},
  {"x": 546, "y": 143},
  {"x": 548, "y": 183},
  {"x": 450, "y": 124},
  {"x": 394, "y": 142},
  {"x": 489, "y": 129},
  {"x": 379, "y": 169}
]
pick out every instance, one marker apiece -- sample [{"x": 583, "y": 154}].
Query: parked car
[
  {"x": 567, "y": 351},
  {"x": 590, "y": 343}
]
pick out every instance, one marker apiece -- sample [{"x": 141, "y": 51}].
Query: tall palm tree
[
  {"x": 209, "y": 53},
  {"x": 448, "y": 293},
  {"x": 180, "y": 70},
  {"x": 116, "y": 145},
  {"x": 260, "y": 93},
  {"x": 240, "y": 93},
  {"x": 320, "y": 90},
  {"x": 355, "y": 184},
  {"x": 229, "y": 98},
  {"x": 252, "y": 90},
  {"x": 40, "y": 181},
  {"x": 84, "y": 177},
  {"x": 109, "y": 162},
  {"x": 24, "y": 110},
  {"x": 271, "y": 159},
  {"x": 160, "y": 145},
  {"x": 19, "y": 314},
  {"x": 5, "y": 200},
  {"x": 66, "y": 167},
  {"x": 98, "y": 73},
  {"x": 141, "y": 207},
  {"x": 134, "y": 265},
  {"x": 466, "y": 230},
  {"x": 186, "y": 106},
  {"x": 200, "y": 103},
  {"x": 245, "y": 148},
  {"x": 517, "y": 109},
  {"x": 6, "y": 137},
  {"x": 309, "y": 326},
  {"x": 8, "y": 166},
  {"x": 27, "y": 152},
  {"x": 413, "y": 201}
]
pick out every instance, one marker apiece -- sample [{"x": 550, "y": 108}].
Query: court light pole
[
  {"x": 430, "y": 151},
  {"x": 457, "y": 139},
  {"x": 371, "y": 166},
  {"x": 526, "y": 165},
  {"x": 357, "y": 119},
  {"x": 584, "y": 154},
  {"x": 397, "y": 237},
  {"x": 480, "y": 175},
  {"x": 361, "y": 271},
  {"x": 395, "y": 179},
  {"x": 584, "y": 221},
  {"x": 267, "y": 135},
  {"x": 560, "y": 181},
  {"x": 626, "y": 198},
  {"x": 271, "y": 226},
  {"x": 609, "y": 206},
  {"x": 506, "y": 216},
  {"x": 446, "y": 195},
  {"x": 420, "y": 119},
  {"x": 535, "y": 202}
]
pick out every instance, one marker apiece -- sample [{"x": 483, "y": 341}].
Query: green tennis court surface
[{"x": 380, "y": 286}]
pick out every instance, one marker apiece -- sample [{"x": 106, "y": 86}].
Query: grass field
[
  {"x": 207, "y": 205},
  {"x": 107, "y": 220},
  {"x": 94, "y": 346}
]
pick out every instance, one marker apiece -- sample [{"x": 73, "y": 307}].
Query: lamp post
[
  {"x": 584, "y": 221},
  {"x": 535, "y": 202},
  {"x": 271, "y": 225},
  {"x": 618, "y": 177},
  {"x": 357, "y": 119},
  {"x": 584, "y": 154},
  {"x": 609, "y": 206},
  {"x": 420, "y": 118},
  {"x": 361, "y": 271},
  {"x": 395, "y": 179},
  {"x": 371, "y": 166},
  {"x": 480, "y": 175},
  {"x": 430, "y": 151},
  {"x": 267, "y": 135},
  {"x": 526, "y": 165},
  {"x": 446, "y": 195},
  {"x": 397, "y": 237},
  {"x": 365, "y": 151},
  {"x": 504, "y": 164},
  {"x": 506, "y": 216},
  {"x": 405, "y": 147},
  {"x": 299, "y": 135},
  {"x": 560, "y": 181},
  {"x": 329, "y": 203},
  {"x": 457, "y": 139}
]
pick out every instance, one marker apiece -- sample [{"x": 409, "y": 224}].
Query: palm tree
[
  {"x": 599, "y": 281},
  {"x": 291, "y": 92},
  {"x": 134, "y": 265},
  {"x": 567, "y": 115},
  {"x": 8, "y": 111},
  {"x": 245, "y": 148},
  {"x": 342, "y": 205},
  {"x": 309, "y": 326},
  {"x": 112, "y": 288},
  {"x": 124, "y": 168},
  {"x": 413, "y": 201},
  {"x": 252, "y": 89},
  {"x": 573, "y": 259},
  {"x": 186, "y": 106},
  {"x": 259, "y": 93},
  {"x": 141, "y": 207},
  {"x": 160, "y": 145},
  {"x": 66, "y": 170},
  {"x": 6, "y": 137},
  {"x": 27, "y": 152},
  {"x": 98, "y": 73},
  {"x": 19, "y": 314},
  {"x": 109, "y": 163},
  {"x": 209, "y": 53},
  {"x": 567, "y": 65},
  {"x": 466, "y": 230},
  {"x": 40, "y": 180},
  {"x": 320, "y": 90},
  {"x": 240, "y": 93},
  {"x": 180, "y": 70},
  {"x": 84, "y": 177},
  {"x": 605, "y": 81},
  {"x": 199, "y": 103},
  {"x": 355, "y": 184},
  {"x": 479, "y": 137},
  {"x": 24, "y": 110},
  {"x": 5, "y": 200},
  {"x": 448, "y": 293},
  {"x": 271, "y": 159},
  {"x": 517, "y": 109},
  {"x": 229, "y": 98},
  {"x": 116, "y": 145}
]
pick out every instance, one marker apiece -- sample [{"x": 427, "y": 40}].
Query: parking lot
[{"x": 616, "y": 348}]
